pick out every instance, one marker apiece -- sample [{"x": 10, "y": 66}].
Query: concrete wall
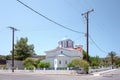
[{"x": 17, "y": 64}]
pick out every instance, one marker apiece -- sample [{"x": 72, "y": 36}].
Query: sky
[{"x": 104, "y": 27}]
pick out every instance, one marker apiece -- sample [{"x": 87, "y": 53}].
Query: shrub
[
  {"x": 29, "y": 63},
  {"x": 44, "y": 65},
  {"x": 77, "y": 63}
]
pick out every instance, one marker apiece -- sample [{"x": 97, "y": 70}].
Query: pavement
[
  {"x": 113, "y": 74},
  {"x": 102, "y": 72}
]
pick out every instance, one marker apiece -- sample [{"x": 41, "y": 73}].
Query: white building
[{"x": 63, "y": 54}]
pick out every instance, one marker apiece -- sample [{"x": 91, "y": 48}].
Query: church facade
[{"x": 63, "y": 54}]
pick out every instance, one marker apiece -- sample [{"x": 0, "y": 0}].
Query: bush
[
  {"x": 29, "y": 63},
  {"x": 77, "y": 63},
  {"x": 30, "y": 67},
  {"x": 44, "y": 65}
]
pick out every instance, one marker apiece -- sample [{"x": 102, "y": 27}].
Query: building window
[
  {"x": 61, "y": 44},
  {"x": 65, "y": 61},
  {"x": 67, "y": 44},
  {"x": 61, "y": 51},
  {"x": 59, "y": 62}
]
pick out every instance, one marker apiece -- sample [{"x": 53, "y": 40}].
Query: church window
[
  {"x": 65, "y": 61},
  {"x": 61, "y": 44},
  {"x": 60, "y": 62},
  {"x": 67, "y": 44}
]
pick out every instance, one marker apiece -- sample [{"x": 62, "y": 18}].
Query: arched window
[
  {"x": 65, "y": 61},
  {"x": 61, "y": 52},
  {"x": 59, "y": 61}
]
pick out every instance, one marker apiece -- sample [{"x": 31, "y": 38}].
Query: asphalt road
[{"x": 112, "y": 75}]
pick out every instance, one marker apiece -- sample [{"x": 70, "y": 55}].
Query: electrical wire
[
  {"x": 60, "y": 24},
  {"x": 49, "y": 18},
  {"x": 89, "y": 36},
  {"x": 97, "y": 45},
  {"x": 74, "y": 8}
]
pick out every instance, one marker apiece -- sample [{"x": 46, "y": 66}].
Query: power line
[
  {"x": 49, "y": 18},
  {"x": 58, "y": 23},
  {"x": 97, "y": 45},
  {"x": 74, "y": 8},
  {"x": 89, "y": 35}
]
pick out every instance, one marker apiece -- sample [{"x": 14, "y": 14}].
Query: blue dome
[
  {"x": 66, "y": 43},
  {"x": 65, "y": 39}
]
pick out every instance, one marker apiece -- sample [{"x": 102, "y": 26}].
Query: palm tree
[{"x": 112, "y": 55}]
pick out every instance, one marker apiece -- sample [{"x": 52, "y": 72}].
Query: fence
[
  {"x": 41, "y": 71},
  {"x": 46, "y": 71}
]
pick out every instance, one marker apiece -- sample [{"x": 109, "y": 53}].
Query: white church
[{"x": 63, "y": 54}]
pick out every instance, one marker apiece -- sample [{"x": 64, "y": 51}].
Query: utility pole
[
  {"x": 86, "y": 14},
  {"x": 13, "y": 30}
]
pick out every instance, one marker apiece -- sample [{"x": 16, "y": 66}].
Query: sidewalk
[{"x": 102, "y": 72}]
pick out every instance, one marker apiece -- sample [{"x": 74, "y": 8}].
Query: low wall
[
  {"x": 54, "y": 71},
  {"x": 42, "y": 71}
]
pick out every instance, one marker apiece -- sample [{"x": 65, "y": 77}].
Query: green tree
[
  {"x": 84, "y": 55},
  {"x": 44, "y": 65},
  {"x": 36, "y": 62},
  {"x": 95, "y": 62},
  {"x": 29, "y": 63},
  {"x": 77, "y": 63},
  {"x": 8, "y": 57},
  {"x": 112, "y": 56},
  {"x": 23, "y": 50},
  {"x": 2, "y": 57},
  {"x": 106, "y": 62},
  {"x": 117, "y": 61}
]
